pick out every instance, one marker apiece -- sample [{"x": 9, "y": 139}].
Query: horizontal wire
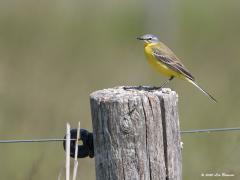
[
  {"x": 33, "y": 140},
  {"x": 61, "y": 139},
  {"x": 210, "y": 130}
]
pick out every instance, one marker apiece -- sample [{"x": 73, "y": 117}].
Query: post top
[{"x": 119, "y": 92}]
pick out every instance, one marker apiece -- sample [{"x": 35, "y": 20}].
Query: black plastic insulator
[{"x": 84, "y": 150}]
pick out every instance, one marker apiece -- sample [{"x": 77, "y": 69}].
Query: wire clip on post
[{"x": 84, "y": 150}]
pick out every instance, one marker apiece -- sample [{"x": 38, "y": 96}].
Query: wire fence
[
  {"x": 210, "y": 130},
  {"x": 62, "y": 139}
]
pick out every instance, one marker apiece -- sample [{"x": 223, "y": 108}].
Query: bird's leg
[{"x": 164, "y": 84}]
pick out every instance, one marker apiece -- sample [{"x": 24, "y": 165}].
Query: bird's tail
[{"x": 201, "y": 89}]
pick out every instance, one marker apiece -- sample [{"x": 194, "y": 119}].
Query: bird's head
[{"x": 148, "y": 38}]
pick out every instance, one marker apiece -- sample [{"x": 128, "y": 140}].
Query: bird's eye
[{"x": 149, "y": 38}]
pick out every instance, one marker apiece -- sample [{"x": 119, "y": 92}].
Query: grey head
[{"x": 148, "y": 38}]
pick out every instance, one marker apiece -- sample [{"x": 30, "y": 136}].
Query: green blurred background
[{"x": 53, "y": 54}]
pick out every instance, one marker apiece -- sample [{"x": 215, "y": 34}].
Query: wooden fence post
[{"x": 136, "y": 134}]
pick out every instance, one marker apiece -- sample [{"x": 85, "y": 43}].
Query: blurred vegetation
[{"x": 53, "y": 54}]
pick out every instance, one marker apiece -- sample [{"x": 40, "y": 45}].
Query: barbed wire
[{"x": 62, "y": 139}]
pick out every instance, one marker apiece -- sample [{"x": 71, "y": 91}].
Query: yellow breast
[{"x": 156, "y": 64}]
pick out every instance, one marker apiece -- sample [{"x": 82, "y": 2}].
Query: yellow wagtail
[{"x": 166, "y": 62}]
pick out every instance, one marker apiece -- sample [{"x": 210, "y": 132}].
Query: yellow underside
[{"x": 160, "y": 67}]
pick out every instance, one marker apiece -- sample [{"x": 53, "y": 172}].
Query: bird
[{"x": 162, "y": 59}]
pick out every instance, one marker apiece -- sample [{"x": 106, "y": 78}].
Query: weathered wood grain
[{"x": 136, "y": 134}]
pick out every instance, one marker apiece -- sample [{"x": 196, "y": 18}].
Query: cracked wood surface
[{"x": 136, "y": 134}]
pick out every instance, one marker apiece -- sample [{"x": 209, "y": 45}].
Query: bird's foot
[
  {"x": 142, "y": 88},
  {"x": 134, "y": 88},
  {"x": 154, "y": 88}
]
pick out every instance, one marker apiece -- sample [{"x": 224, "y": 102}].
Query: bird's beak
[{"x": 140, "y": 38}]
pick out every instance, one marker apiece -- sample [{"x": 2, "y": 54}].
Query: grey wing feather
[{"x": 172, "y": 62}]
